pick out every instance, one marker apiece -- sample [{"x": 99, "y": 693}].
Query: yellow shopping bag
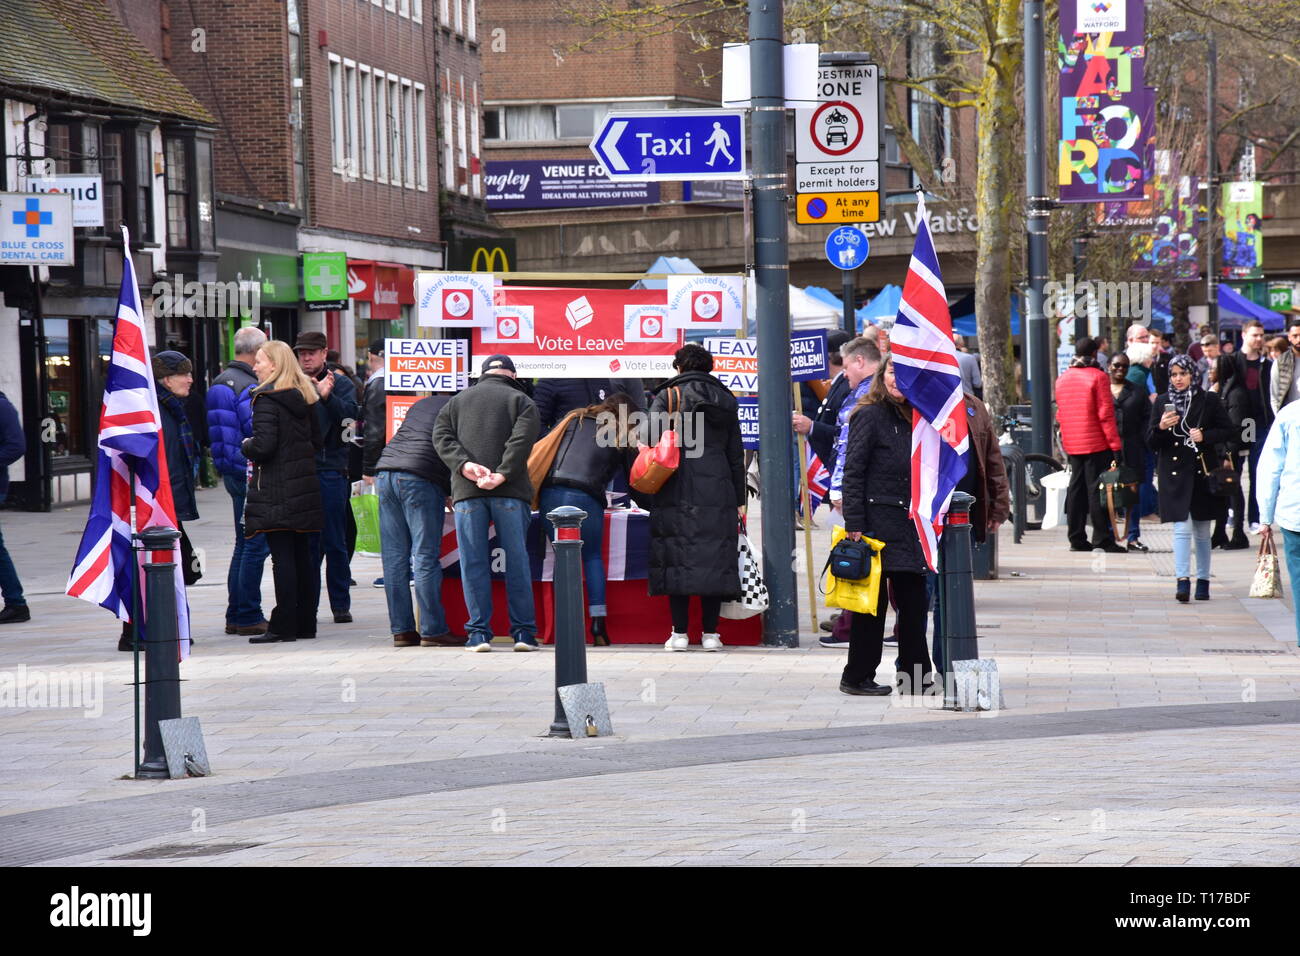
[{"x": 862, "y": 596}]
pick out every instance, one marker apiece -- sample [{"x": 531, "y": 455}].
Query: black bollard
[
  {"x": 162, "y": 697},
  {"x": 570, "y": 635},
  {"x": 957, "y": 588}
]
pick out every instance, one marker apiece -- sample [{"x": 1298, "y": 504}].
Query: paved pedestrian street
[{"x": 1136, "y": 731}]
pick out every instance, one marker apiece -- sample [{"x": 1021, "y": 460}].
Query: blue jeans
[
  {"x": 411, "y": 512},
  {"x": 244, "y": 579},
  {"x": 331, "y": 543},
  {"x": 1184, "y": 532},
  {"x": 1291, "y": 551},
  {"x": 593, "y": 539},
  {"x": 10, "y": 586},
  {"x": 511, "y": 517}
]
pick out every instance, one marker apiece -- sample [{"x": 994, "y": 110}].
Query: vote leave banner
[
  {"x": 580, "y": 333},
  {"x": 706, "y": 302}
]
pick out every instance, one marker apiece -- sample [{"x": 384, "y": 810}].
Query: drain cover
[
  {"x": 1238, "y": 650},
  {"x": 176, "y": 851}
]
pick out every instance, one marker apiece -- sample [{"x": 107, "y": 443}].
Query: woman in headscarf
[{"x": 1187, "y": 426}]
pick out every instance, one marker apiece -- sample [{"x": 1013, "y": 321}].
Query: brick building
[{"x": 89, "y": 107}]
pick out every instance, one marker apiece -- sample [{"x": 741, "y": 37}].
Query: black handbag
[
  {"x": 1221, "y": 482},
  {"x": 850, "y": 560}
]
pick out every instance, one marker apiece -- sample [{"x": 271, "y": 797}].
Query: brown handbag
[{"x": 542, "y": 457}]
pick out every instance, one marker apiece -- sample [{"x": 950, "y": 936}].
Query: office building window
[
  {"x": 408, "y": 133},
  {"x": 448, "y": 169},
  {"x": 336, "y": 111},
  {"x": 350, "y": 107},
  {"x": 381, "y": 125},
  {"x": 395, "y": 130},
  {"x": 367, "y": 124},
  {"x": 421, "y": 141}
]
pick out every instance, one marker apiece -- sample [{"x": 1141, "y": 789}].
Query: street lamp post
[{"x": 1211, "y": 171}]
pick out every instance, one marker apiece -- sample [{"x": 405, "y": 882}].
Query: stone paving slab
[{"x": 1084, "y": 801}]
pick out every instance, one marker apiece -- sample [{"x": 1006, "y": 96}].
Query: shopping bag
[
  {"x": 365, "y": 509},
  {"x": 753, "y": 592},
  {"x": 1267, "y": 582},
  {"x": 861, "y": 596}
]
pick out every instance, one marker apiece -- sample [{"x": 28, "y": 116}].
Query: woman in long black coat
[
  {"x": 1230, "y": 388},
  {"x": 284, "y": 500},
  {"x": 1187, "y": 426},
  {"x": 1132, "y": 410},
  {"x": 877, "y": 489},
  {"x": 695, "y": 517}
]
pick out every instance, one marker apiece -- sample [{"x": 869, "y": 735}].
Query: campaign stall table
[{"x": 633, "y": 617}]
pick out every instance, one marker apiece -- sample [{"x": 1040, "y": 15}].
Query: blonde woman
[{"x": 283, "y": 492}]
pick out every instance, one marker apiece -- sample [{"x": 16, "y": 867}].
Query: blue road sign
[
  {"x": 672, "y": 145},
  {"x": 847, "y": 247}
]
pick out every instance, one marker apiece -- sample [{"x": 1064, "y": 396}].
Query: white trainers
[
  {"x": 677, "y": 642},
  {"x": 711, "y": 642},
  {"x": 484, "y": 648}
]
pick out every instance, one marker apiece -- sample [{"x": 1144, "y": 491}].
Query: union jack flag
[
  {"x": 926, "y": 370},
  {"x": 130, "y": 442},
  {"x": 819, "y": 481}
]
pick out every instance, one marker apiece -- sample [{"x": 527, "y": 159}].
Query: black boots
[
  {"x": 1202, "y": 589},
  {"x": 1184, "y": 592},
  {"x": 599, "y": 636}
]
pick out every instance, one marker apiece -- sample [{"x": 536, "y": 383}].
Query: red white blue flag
[
  {"x": 130, "y": 441},
  {"x": 926, "y": 370}
]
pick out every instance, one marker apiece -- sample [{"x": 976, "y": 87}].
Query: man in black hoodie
[{"x": 484, "y": 436}]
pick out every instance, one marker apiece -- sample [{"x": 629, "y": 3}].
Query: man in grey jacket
[{"x": 484, "y": 436}]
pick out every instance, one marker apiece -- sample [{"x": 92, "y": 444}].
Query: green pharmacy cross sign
[{"x": 325, "y": 280}]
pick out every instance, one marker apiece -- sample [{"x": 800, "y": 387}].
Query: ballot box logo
[
  {"x": 456, "y": 303},
  {"x": 706, "y": 307},
  {"x": 579, "y": 313}
]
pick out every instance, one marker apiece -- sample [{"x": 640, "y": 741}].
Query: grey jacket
[{"x": 493, "y": 423}]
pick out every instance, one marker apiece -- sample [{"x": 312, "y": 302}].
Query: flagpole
[
  {"x": 135, "y": 620},
  {"x": 807, "y": 512}
]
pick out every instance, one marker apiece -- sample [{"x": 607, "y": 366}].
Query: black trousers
[
  {"x": 1082, "y": 503},
  {"x": 295, "y": 611},
  {"x": 867, "y": 632},
  {"x": 680, "y": 606}
]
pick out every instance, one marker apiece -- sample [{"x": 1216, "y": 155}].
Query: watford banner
[{"x": 1106, "y": 114}]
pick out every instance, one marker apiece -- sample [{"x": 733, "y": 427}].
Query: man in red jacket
[{"x": 1085, "y": 411}]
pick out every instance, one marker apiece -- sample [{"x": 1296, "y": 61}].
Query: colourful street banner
[
  {"x": 1243, "y": 240},
  {"x": 1106, "y": 108}
]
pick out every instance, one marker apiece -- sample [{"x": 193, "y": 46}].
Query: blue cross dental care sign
[
  {"x": 847, "y": 247},
  {"x": 735, "y": 362},
  {"x": 456, "y": 300},
  {"x": 808, "y": 356},
  {"x": 706, "y": 302},
  {"x": 747, "y": 410},
  {"x": 36, "y": 230},
  {"x": 426, "y": 365},
  {"x": 672, "y": 145}
]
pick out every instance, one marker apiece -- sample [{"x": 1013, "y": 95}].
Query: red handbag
[{"x": 655, "y": 465}]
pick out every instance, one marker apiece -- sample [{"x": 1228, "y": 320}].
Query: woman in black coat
[
  {"x": 695, "y": 517},
  {"x": 284, "y": 500},
  {"x": 594, "y": 448},
  {"x": 1187, "y": 426},
  {"x": 877, "y": 487},
  {"x": 1132, "y": 410},
  {"x": 1227, "y": 384}
]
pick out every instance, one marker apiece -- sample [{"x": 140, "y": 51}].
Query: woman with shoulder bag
[
  {"x": 284, "y": 501},
  {"x": 1187, "y": 424},
  {"x": 592, "y": 451},
  {"x": 1132, "y": 409},
  {"x": 877, "y": 489},
  {"x": 695, "y": 516}
]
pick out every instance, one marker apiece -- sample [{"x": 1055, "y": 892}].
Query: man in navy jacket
[
  {"x": 230, "y": 421},
  {"x": 13, "y": 445},
  {"x": 336, "y": 414}
]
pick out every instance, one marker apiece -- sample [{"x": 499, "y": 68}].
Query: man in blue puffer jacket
[{"x": 230, "y": 421}]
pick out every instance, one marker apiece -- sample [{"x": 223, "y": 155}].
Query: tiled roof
[{"x": 80, "y": 49}]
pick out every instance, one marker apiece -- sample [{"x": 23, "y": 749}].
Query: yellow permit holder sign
[{"x": 860, "y": 597}]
